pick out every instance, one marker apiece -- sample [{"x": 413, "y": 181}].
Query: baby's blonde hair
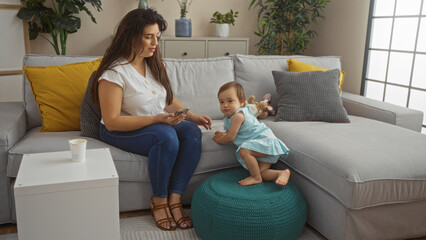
[{"x": 238, "y": 88}]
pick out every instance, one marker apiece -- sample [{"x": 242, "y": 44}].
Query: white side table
[{"x": 59, "y": 199}]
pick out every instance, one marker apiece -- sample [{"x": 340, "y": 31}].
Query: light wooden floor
[
  {"x": 11, "y": 228},
  {"x": 8, "y": 228}
]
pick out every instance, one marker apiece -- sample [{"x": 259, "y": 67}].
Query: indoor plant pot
[
  {"x": 143, "y": 4},
  {"x": 183, "y": 27},
  {"x": 223, "y": 21},
  {"x": 222, "y": 29}
]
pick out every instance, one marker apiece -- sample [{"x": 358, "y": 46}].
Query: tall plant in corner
[
  {"x": 56, "y": 17},
  {"x": 284, "y": 25}
]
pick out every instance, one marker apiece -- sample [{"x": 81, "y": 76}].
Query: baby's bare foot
[
  {"x": 250, "y": 181},
  {"x": 283, "y": 177}
]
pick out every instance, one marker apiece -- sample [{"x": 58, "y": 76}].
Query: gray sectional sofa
[{"x": 362, "y": 180}]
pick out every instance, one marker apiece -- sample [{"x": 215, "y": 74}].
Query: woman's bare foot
[
  {"x": 250, "y": 181},
  {"x": 283, "y": 177}
]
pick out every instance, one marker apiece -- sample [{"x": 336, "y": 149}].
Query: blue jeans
[{"x": 173, "y": 153}]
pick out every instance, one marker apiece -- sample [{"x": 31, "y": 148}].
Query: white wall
[
  {"x": 93, "y": 39},
  {"x": 12, "y": 50},
  {"x": 341, "y": 33}
]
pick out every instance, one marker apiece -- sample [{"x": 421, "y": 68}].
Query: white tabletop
[{"x": 55, "y": 171}]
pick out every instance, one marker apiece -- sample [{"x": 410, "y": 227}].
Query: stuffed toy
[{"x": 260, "y": 109}]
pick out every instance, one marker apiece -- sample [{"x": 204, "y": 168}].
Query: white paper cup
[{"x": 78, "y": 149}]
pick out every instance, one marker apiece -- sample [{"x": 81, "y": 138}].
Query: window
[{"x": 395, "y": 57}]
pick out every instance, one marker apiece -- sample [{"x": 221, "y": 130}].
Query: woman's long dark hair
[{"x": 127, "y": 43}]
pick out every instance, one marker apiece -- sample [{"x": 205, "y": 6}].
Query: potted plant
[
  {"x": 143, "y": 4},
  {"x": 223, "y": 21},
  {"x": 183, "y": 26},
  {"x": 283, "y": 26},
  {"x": 56, "y": 17}
]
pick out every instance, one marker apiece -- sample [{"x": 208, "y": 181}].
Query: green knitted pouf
[{"x": 223, "y": 209}]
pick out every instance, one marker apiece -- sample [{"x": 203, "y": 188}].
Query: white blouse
[{"x": 142, "y": 96}]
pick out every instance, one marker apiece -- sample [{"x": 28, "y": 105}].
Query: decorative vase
[
  {"x": 222, "y": 29},
  {"x": 143, "y": 4},
  {"x": 183, "y": 27}
]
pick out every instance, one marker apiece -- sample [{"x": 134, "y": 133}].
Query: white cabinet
[
  {"x": 218, "y": 48},
  {"x": 202, "y": 47},
  {"x": 57, "y": 198},
  {"x": 184, "y": 49}
]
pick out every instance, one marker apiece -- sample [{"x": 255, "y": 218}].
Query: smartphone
[{"x": 181, "y": 111}]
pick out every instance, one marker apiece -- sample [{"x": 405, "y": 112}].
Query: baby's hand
[{"x": 218, "y": 135}]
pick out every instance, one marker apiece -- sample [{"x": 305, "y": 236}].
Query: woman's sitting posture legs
[
  {"x": 173, "y": 154},
  {"x": 189, "y": 136}
]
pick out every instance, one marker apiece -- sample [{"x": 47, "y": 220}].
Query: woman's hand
[
  {"x": 202, "y": 120},
  {"x": 169, "y": 118}
]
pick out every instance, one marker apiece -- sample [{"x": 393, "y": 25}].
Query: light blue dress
[{"x": 256, "y": 136}]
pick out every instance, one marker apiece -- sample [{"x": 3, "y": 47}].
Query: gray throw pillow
[
  {"x": 90, "y": 114},
  {"x": 309, "y": 96}
]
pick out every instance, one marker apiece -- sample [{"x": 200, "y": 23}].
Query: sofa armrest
[
  {"x": 13, "y": 124},
  {"x": 369, "y": 108}
]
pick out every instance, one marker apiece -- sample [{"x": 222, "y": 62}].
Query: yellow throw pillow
[
  {"x": 59, "y": 90},
  {"x": 298, "y": 66}
]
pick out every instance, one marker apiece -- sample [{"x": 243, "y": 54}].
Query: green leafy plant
[
  {"x": 284, "y": 26},
  {"x": 184, "y": 6},
  {"x": 220, "y": 18},
  {"x": 57, "y": 17}
]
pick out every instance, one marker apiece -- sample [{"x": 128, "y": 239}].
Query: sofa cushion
[
  {"x": 130, "y": 167},
  {"x": 58, "y": 91},
  {"x": 309, "y": 96},
  {"x": 195, "y": 82},
  {"x": 90, "y": 114},
  {"x": 363, "y": 163},
  {"x": 299, "y": 66},
  {"x": 254, "y": 73},
  {"x": 192, "y": 82},
  {"x": 31, "y": 106}
]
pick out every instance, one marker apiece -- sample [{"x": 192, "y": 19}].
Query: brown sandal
[
  {"x": 168, "y": 219},
  {"x": 184, "y": 216}
]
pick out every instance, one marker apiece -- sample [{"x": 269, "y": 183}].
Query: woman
[{"x": 137, "y": 106}]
